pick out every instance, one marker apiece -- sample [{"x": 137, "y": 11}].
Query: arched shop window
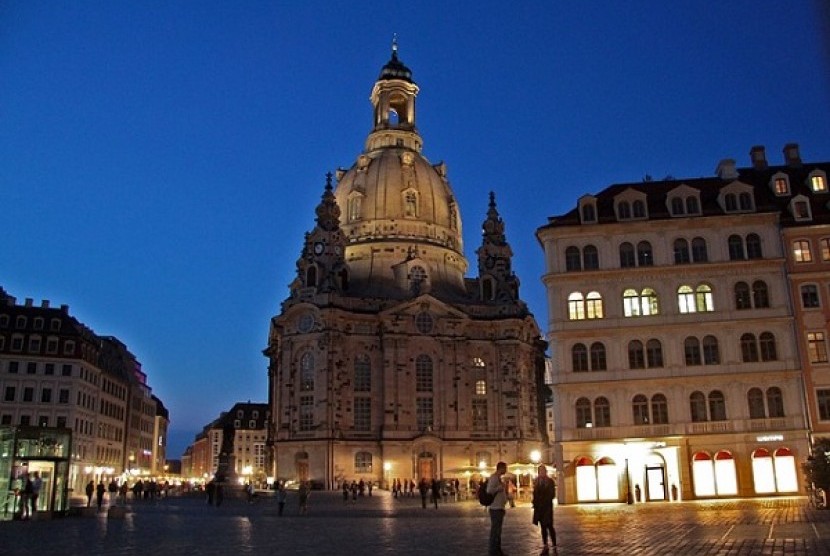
[
  {"x": 597, "y": 481},
  {"x": 586, "y": 480},
  {"x": 714, "y": 476},
  {"x": 774, "y": 472}
]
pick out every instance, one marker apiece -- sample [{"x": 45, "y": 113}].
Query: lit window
[
  {"x": 363, "y": 462},
  {"x": 704, "y": 299},
  {"x": 780, "y": 185},
  {"x": 825, "y": 249},
  {"x": 481, "y": 388},
  {"x": 593, "y": 305},
  {"x": 816, "y": 347},
  {"x": 478, "y": 362},
  {"x": 818, "y": 183},
  {"x": 576, "y": 306},
  {"x": 801, "y": 251},
  {"x": 686, "y": 299}
]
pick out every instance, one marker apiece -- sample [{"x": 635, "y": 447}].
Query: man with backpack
[{"x": 497, "y": 496}]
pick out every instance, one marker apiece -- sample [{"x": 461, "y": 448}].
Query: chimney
[
  {"x": 758, "y": 156},
  {"x": 44, "y": 304},
  {"x": 791, "y": 155},
  {"x": 29, "y": 302},
  {"x": 726, "y": 169},
  {"x": 65, "y": 308}
]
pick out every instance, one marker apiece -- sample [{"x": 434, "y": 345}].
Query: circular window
[
  {"x": 423, "y": 322},
  {"x": 305, "y": 323}
]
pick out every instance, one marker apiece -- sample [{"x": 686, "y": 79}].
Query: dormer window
[
  {"x": 683, "y": 200},
  {"x": 818, "y": 181},
  {"x": 589, "y": 213},
  {"x": 639, "y": 209},
  {"x": 677, "y": 208},
  {"x": 737, "y": 197},
  {"x": 745, "y": 201},
  {"x": 630, "y": 204},
  {"x": 20, "y": 322},
  {"x": 800, "y": 208},
  {"x": 623, "y": 210},
  {"x": 355, "y": 205},
  {"x": 692, "y": 206},
  {"x": 780, "y": 184}
]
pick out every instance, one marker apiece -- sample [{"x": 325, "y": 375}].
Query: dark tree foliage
[{"x": 817, "y": 467}]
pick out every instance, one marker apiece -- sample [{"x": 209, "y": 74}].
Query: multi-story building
[
  {"x": 679, "y": 360},
  {"x": 385, "y": 361},
  {"x": 56, "y": 372},
  {"x": 236, "y": 439},
  {"x": 160, "y": 425}
]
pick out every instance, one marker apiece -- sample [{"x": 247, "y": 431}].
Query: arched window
[
  {"x": 579, "y": 358},
  {"x": 697, "y": 407},
  {"x": 576, "y": 306},
  {"x": 307, "y": 372},
  {"x": 745, "y": 201},
  {"x": 311, "y": 277},
  {"x": 648, "y": 302},
  {"x": 593, "y": 305},
  {"x": 691, "y": 349},
  {"x": 704, "y": 299},
  {"x": 354, "y": 208},
  {"x": 636, "y": 356},
  {"x": 659, "y": 409},
  {"x": 411, "y": 204},
  {"x": 742, "y": 298},
  {"x": 681, "y": 251},
  {"x": 639, "y": 209},
  {"x": 677, "y": 206},
  {"x": 631, "y": 303},
  {"x": 749, "y": 348},
  {"x": 699, "y": 251},
  {"x": 639, "y": 407},
  {"x": 766, "y": 342},
  {"x": 686, "y": 299},
  {"x": 590, "y": 257},
  {"x": 623, "y": 210},
  {"x": 711, "y": 352},
  {"x": 760, "y": 294},
  {"x": 775, "y": 402},
  {"x": 602, "y": 412},
  {"x": 598, "y": 357},
  {"x": 588, "y": 213},
  {"x": 731, "y": 202},
  {"x": 755, "y": 401},
  {"x": 644, "y": 256},
  {"x": 736, "y": 248},
  {"x": 654, "y": 353},
  {"x": 423, "y": 373},
  {"x": 573, "y": 262},
  {"x": 717, "y": 406},
  {"x": 583, "y": 413},
  {"x": 753, "y": 247},
  {"x": 627, "y": 257},
  {"x": 362, "y": 374},
  {"x": 692, "y": 206}
]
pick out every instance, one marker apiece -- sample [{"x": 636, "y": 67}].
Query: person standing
[
  {"x": 281, "y": 495},
  {"x": 112, "y": 489},
  {"x": 436, "y": 492},
  {"x": 302, "y": 493},
  {"x": 37, "y": 484},
  {"x": 25, "y": 497},
  {"x": 423, "y": 488},
  {"x": 544, "y": 491},
  {"x": 99, "y": 494},
  {"x": 495, "y": 487}
]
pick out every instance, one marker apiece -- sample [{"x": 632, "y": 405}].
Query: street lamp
[{"x": 387, "y": 466}]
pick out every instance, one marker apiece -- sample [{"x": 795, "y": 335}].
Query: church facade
[{"x": 386, "y": 362}]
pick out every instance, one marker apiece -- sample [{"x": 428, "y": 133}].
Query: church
[{"x": 386, "y": 361}]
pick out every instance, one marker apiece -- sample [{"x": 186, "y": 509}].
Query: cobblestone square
[{"x": 385, "y": 525}]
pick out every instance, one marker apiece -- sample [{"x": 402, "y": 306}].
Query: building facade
[
  {"x": 385, "y": 361},
  {"x": 680, "y": 362},
  {"x": 56, "y": 372}
]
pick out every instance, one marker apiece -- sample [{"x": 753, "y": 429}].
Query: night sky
[{"x": 160, "y": 161}]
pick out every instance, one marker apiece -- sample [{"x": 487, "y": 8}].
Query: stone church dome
[{"x": 399, "y": 216}]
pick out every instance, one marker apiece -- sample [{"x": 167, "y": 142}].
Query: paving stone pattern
[{"x": 382, "y": 525}]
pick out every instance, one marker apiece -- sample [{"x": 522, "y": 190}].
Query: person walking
[
  {"x": 544, "y": 491},
  {"x": 90, "y": 490},
  {"x": 112, "y": 489},
  {"x": 99, "y": 494},
  {"x": 25, "y": 497},
  {"x": 495, "y": 486},
  {"x": 302, "y": 493}
]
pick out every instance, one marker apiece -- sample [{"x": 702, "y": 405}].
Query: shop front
[{"x": 25, "y": 451}]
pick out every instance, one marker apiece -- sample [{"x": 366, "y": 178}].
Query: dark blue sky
[{"x": 160, "y": 161}]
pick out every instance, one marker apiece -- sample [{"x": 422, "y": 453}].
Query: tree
[{"x": 817, "y": 467}]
